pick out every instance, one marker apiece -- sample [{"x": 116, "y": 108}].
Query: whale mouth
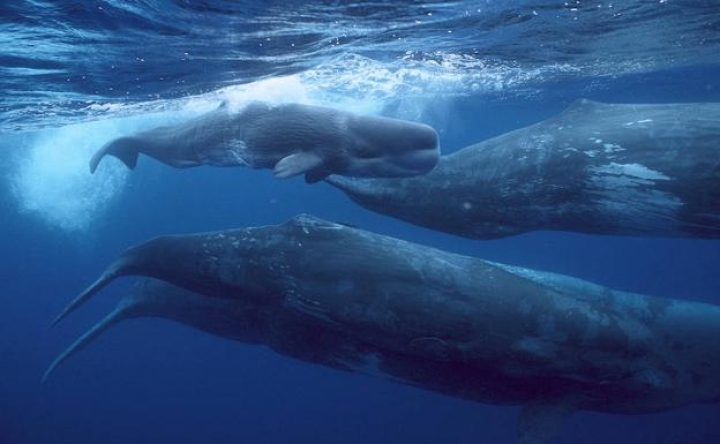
[
  {"x": 413, "y": 163},
  {"x": 416, "y": 162}
]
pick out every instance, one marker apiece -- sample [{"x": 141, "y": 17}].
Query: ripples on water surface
[
  {"x": 68, "y": 62},
  {"x": 65, "y": 61}
]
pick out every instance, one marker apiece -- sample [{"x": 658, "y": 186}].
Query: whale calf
[
  {"x": 457, "y": 325},
  {"x": 596, "y": 168},
  {"x": 292, "y": 139}
]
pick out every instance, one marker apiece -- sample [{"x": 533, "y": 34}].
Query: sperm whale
[
  {"x": 291, "y": 139},
  {"x": 457, "y": 325}
]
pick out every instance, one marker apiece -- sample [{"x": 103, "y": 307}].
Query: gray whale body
[
  {"x": 595, "y": 168},
  {"x": 461, "y": 326},
  {"x": 291, "y": 139}
]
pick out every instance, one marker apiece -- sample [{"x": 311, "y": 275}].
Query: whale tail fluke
[
  {"x": 118, "y": 268},
  {"x": 120, "y": 313},
  {"x": 124, "y": 148}
]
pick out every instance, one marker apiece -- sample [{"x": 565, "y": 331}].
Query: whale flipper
[
  {"x": 298, "y": 163},
  {"x": 540, "y": 423},
  {"x": 124, "y": 148}
]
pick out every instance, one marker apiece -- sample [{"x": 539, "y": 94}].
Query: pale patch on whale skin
[
  {"x": 291, "y": 139},
  {"x": 630, "y": 189},
  {"x": 633, "y": 170}
]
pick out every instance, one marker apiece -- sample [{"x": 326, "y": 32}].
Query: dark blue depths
[{"x": 152, "y": 381}]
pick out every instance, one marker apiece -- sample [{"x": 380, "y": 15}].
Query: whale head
[{"x": 384, "y": 147}]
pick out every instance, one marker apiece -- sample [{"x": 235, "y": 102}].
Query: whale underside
[
  {"x": 357, "y": 301},
  {"x": 651, "y": 170}
]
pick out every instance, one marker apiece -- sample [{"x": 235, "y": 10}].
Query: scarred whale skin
[
  {"x": 292, "y": 139},
  {"x": 457, "y": 325},
  {"x": 596, "y": 168}
]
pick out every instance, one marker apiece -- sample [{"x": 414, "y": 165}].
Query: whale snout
[
  {"x": 414, "y": 150},
  {"x": 394, "y": 148}
]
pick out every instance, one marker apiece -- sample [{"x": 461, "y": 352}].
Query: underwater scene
[{"x": 360, "y": 222}]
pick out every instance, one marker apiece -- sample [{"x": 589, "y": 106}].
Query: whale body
[
  {"x": 457, "y": 325},
  {"x": 291, "y": 139},
  {"x": 597, "y": 168}
]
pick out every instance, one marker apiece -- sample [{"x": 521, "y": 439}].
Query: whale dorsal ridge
[{"x": 308, "y": 223}]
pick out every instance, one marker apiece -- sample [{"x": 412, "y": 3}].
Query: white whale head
[{"x": 384, "y": 147}]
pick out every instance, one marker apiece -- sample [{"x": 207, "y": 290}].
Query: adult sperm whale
[
  {"x": 595, "y": 168},
  {"x": 292, "y": 139},
  {"x": 453, "y": 324}
]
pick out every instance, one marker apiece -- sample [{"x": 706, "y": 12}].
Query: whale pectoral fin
[
  {"x": 540, "y": 423},
  {"x": 298, "y": 163}
]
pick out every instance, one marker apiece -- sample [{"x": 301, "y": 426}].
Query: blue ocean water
[{"x": 76, "y": 74}]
